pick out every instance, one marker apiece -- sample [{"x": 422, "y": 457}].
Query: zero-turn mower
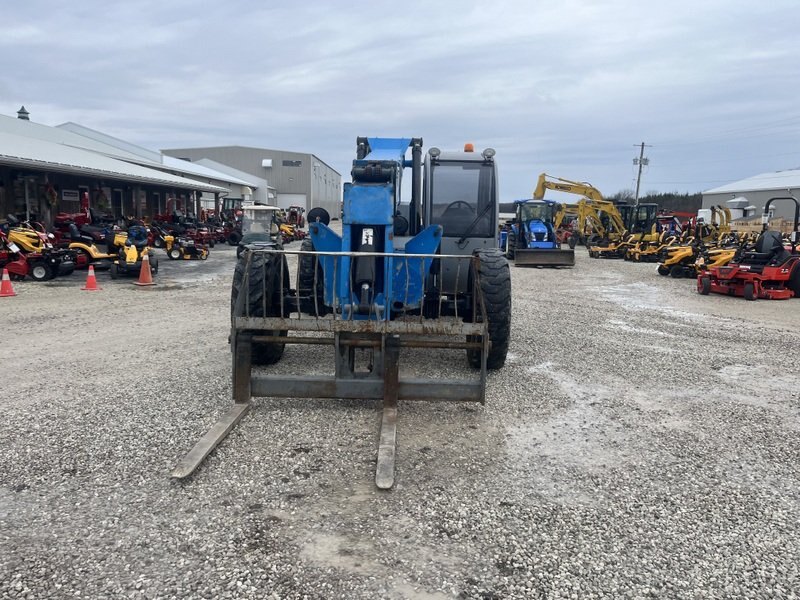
[{"x": 767, "y": 269}]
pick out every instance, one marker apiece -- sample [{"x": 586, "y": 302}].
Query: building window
[{"x": 293, "y": 163}]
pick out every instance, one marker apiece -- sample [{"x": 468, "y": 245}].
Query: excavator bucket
[{"x": 544, "y": 257}]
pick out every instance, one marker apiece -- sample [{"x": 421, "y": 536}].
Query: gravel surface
[{"x": 642, "y": 441}]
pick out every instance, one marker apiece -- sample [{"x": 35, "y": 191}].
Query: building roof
[
  {"x": 173, "y": 151},
  {"x": 192, "y": 168},
  {"x": 36, "y": 152},
  {"x": 151, "y": 158},
  {"x": 212, "y": 164},
  {"x": 776, "y": 180}
]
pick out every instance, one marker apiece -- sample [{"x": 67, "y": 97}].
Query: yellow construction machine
[{"x": 597, "y": 219}]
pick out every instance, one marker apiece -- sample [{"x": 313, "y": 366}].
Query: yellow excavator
[{"x": 597, "y": 219}]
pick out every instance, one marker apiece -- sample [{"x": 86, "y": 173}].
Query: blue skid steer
[{"x": 424, "y": 274}]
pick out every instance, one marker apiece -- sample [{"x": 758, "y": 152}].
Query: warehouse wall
[
  {"x": 758, "y": 199},
  {"x": 291, "y": 172}
]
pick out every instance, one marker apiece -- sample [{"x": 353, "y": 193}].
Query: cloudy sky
[{"x": 565, "y": 87}]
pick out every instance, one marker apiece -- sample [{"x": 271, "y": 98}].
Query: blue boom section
[{"x": 370, "y": 287}]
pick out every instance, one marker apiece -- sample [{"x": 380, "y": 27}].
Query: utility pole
[{"x": 641, "y": 161}]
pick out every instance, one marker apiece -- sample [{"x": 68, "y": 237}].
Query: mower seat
[
  {"x": 76, "y": 235},
  {"x": 769, "y": 249}
]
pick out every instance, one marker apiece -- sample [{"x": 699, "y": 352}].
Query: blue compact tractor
[{"x": 531, "y": 238}]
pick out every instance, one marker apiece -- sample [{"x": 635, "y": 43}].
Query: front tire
[
  {"x": 704, "y": 286},
  {"x": 494, "y": 278},
  {"x": 511, "y": 244},
  {"x": 749, "y": 291},
  {"x": 41, "y": 271},
  {"x": 174, "y": 253},
  {"x": 312, "y": 296},
  {"x": 263, "y": 289}
]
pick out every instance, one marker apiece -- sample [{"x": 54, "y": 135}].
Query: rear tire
[
  {"x": 676, "y": 272},
  {"x": 663, "y": 270},
  {"x": 234, "y": 238},
  {"x": 114, "y": 271},
  {"x": 174, "y": 253},
  {"x": 749, "y": 291},
  {"x": 495, "y": 286},
  {"x": 263, "y": 291},
  {"x": 794, "y": 280}
]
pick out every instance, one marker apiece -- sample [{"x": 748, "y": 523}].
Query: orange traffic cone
[
  {"x": 6, "y": 289},
  {"x": 145, "y": 276},
  {"x": 91, "y": 281}
]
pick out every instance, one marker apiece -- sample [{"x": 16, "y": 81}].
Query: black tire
[
  {"x": 114, "y": 271},
  {"x": 65, "y": 269},
  {"x": 676, "y": 271},
  {"x": 572, "y": 241},
  {"x": 495, "y": 285},
  {"x": 307, "y": 266},
  {"x": 41, "y": 271},
  {"x": 749, "y": 291},
  {"x": 203, "y": 255},
  {"x": 704, "y": 286},
  {"x": 158, "y": 242},
  {"x": 264, "y": 290},
  {"x": 663, "y": 270},
  {"x": 511, "y": 244},
  {"x": 234, "y": 238},
  {"x": 174, "y": 253},
  {"x": 794, "y": 280},
  {"x": 211, "y": 244},
  {"x": 239, "y": 251},
  {"x": 153, "y": 264}
]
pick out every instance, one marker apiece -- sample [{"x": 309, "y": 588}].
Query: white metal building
[
  {"x": 298, "y": 178},
  {"x": 757, "y": 190}
]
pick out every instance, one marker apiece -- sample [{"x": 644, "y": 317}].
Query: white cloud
[{"x": 564, "y": 87}]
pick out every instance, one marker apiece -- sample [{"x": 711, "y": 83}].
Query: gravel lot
[{"x": 642, "y": 441}]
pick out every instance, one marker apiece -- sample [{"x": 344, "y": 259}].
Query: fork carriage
[{"x": 267, "y": 314}]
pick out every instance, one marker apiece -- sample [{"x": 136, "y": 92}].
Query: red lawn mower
[{"x": 767, "y": 269}]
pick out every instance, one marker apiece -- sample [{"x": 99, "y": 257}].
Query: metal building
[
  {"x": 46, "y": 170},
  {"x": 298, "y": 179},
  {"x": 757, "y": 190}
]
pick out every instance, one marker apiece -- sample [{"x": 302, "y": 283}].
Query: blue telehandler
[{"x": 427, "y": 274}]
